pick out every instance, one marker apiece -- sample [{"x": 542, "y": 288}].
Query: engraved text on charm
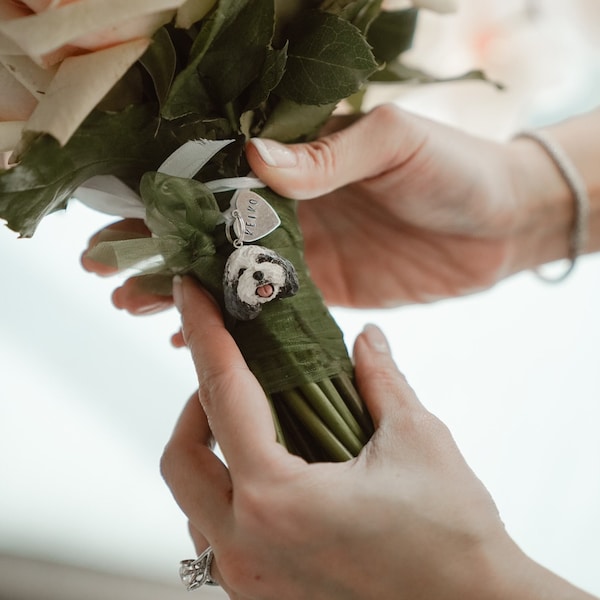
[{"x": 254, "y": 218}]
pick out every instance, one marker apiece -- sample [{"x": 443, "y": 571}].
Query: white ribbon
[
  {"x": 110, "y": 195},
  {"x": 232, "y": 184}
]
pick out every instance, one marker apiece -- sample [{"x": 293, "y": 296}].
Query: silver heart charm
[{"x": 254, "y": 217}]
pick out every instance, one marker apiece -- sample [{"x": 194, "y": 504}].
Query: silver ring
[{"x": 195, "y": 572}]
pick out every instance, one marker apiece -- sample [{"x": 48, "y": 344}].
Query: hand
[
  {"x": 406, "y": 519},
  {"x": 403, "y": 209},
  {"x": 400, "y": 209}
]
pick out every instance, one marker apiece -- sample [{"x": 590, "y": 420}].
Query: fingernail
[
  {"x": 275, "y": 154},
  {"x": 375, "y": 338},
  {"x": 178, "y": 292}
]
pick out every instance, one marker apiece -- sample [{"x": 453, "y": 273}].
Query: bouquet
[{"x": 142, "y": 109}]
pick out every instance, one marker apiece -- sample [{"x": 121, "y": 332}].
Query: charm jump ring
[{"x": 239, "y": 227}]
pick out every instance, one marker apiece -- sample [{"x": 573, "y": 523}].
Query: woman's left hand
[{"x": 405, "y": 519}]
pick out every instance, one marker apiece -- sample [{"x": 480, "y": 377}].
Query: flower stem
[
  {"x": 301, "y": 410},
  {"x": 299, "y": 442},
  {"x": 338, "y": 403},
  {"x": 353, "y": 401},
  {"x": 281, "y": 438},
  {"x": 322, "y": 405}
]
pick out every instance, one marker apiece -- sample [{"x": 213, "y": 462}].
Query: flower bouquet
[{"x": 143, "y": 108}]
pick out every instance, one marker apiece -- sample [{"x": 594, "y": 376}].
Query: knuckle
[
  {"x": 276, "y": 511},
  {"x": 388, "y": 378},
  {"x": 255, "y": 512},
  {"x": 215, "y": 383},
  {"x": 241, "y": 570},
  {"x": 167, "y": 460},
  {"x": 434, "y": 427},
  {"x": 387, "y": 116},
  {"x": 323, "y": 158},
  {"x": 323, "y": 153}
]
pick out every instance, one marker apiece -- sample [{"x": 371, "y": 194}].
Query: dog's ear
[{"x": 292, "y": 285}]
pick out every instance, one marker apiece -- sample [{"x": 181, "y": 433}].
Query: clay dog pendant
[{"x": 253, "y": 276}]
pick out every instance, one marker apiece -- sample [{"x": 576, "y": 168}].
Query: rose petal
[
  {"x": 41, "y": 5},
  {"x": 139, "y": 27},
  {"x": 45, "y": 32},
  {"x": 12, "y": 10},
  {"x": 29, "y": 74},
  {"x": 192, "y": 11},
  {"x": 10, "y": 135},
  {"x": 16, "y": 102},
  {"x": 80, "y": 83}
]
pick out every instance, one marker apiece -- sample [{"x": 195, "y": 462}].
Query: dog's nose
[{"x": 258, "y": 275}]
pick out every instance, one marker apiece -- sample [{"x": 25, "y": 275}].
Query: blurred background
[{"x": 89, "y": 395}]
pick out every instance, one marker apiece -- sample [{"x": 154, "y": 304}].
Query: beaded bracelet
[{"x": 581, "y": 203}]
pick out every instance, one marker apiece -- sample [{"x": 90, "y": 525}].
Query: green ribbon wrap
[{"x": 294, "y": 341}]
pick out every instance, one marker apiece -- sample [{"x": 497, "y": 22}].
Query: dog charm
[{"x": 253, "y": 276}]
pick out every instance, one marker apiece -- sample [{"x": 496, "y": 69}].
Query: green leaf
[
  {"x": 237, "y": 55},
  {"x": 356, "y": 101},
  {"x": 328, "y": 59},
  {"x": 188, "y": 94},
  {"x": 392, "y": 33},
  {"x": 367, "y": 15},
  {"x": 398, "y": 73},
  {"x": 123, "y": 144},
  {"x": 160, "y": 60},
  {"x": 273, "y": 70},
  {"x": 292, "y": 122}
]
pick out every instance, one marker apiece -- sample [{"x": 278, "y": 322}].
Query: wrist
[
  {"x": 547, "y": 198},
  {"x": 509, "y": 574},
  {"x": 544, "y": 206}
]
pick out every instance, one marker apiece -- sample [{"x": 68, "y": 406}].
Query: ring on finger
[{"x": 195, "y": 572}]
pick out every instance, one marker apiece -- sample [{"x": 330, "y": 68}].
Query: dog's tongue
[{"x": 265, "y": 291}]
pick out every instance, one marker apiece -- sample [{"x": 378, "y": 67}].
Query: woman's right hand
[{"x": 398, "y": 209}]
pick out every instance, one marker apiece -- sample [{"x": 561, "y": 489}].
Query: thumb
[
  {"x": 369, "y": 147},
  {"x": 234, "y": 402},
  {"x": 384, "y": 389}
]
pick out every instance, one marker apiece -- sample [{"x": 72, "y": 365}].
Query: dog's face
[{"x": 253, "y": 276}]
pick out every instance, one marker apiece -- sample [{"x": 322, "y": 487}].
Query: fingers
[
  {"x": 177, "y": 339},
  {"x": 198, "y": 480},
  {"x": 200, "y": 545},
  {"x": 200, "y": 542},
  {"x": 122, "y": 230},
  {"x": 138, "y": 296},
  {"x": 142, "y": 295},
  {"x": 369, "y": 147},
  {"x": 233, "y": 400},
  {"x": 384, "y": 389}
]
